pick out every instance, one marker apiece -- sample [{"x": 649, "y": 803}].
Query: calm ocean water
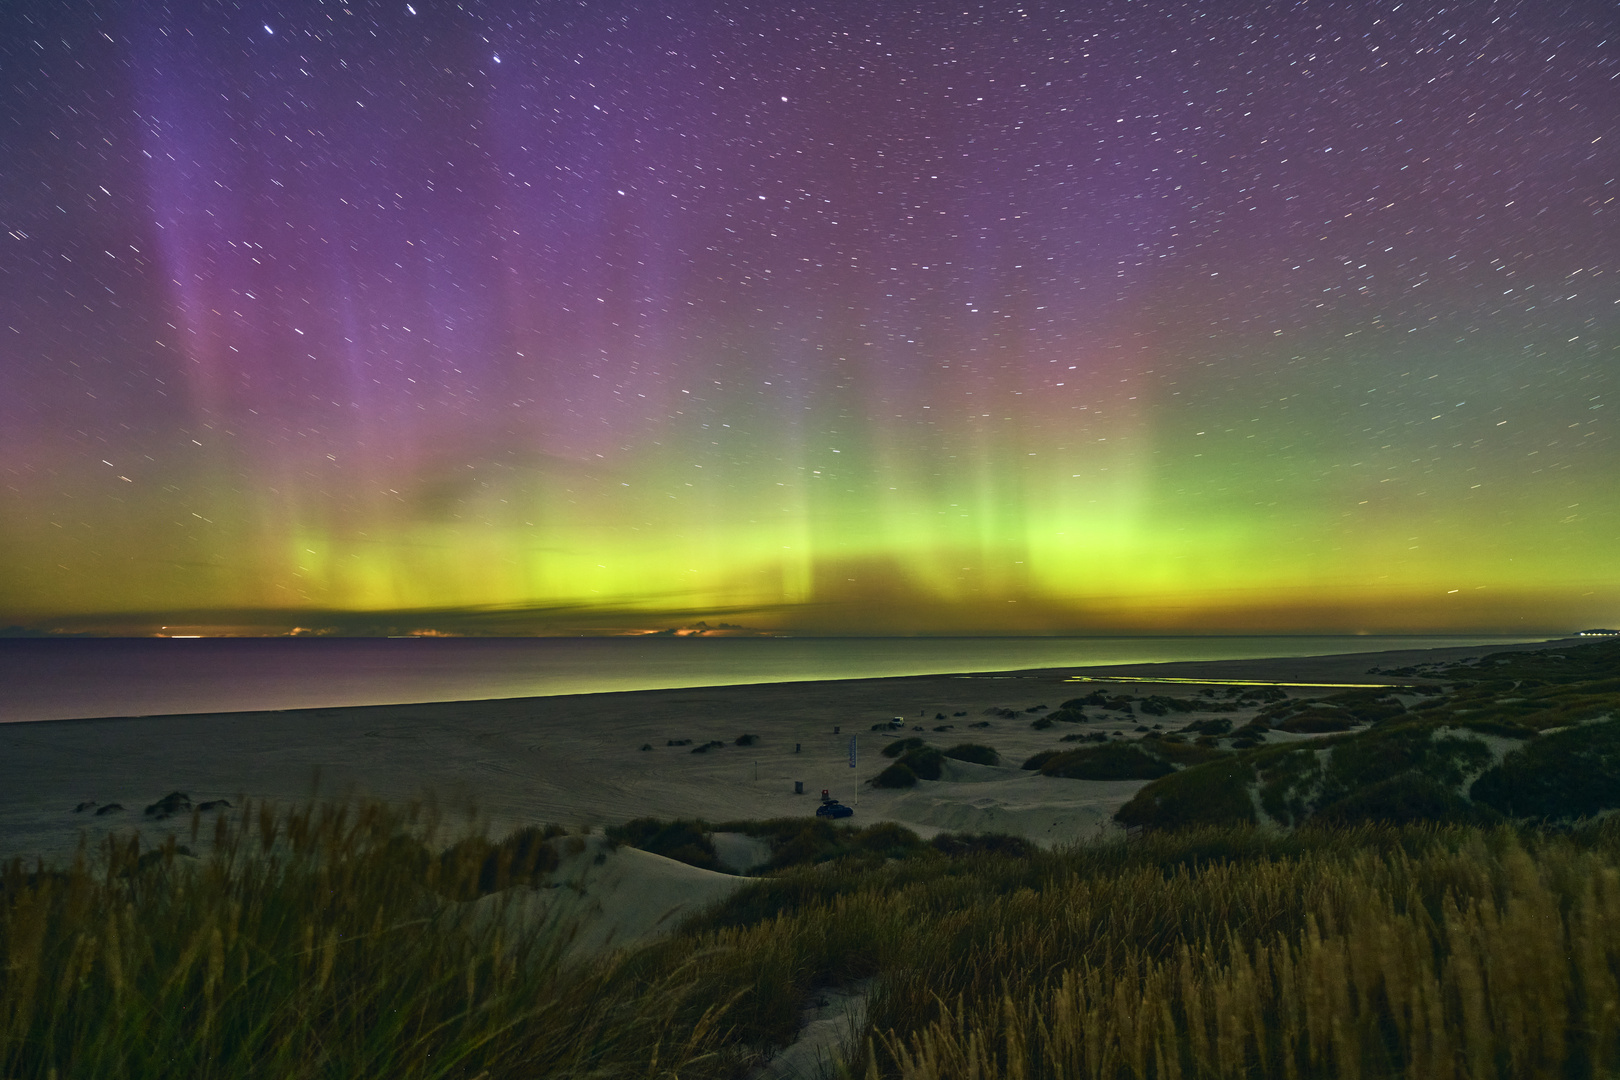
[{"x": 60, "y": 679}]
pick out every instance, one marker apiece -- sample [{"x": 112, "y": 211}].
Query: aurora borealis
[{"x": 830, "y": 317}]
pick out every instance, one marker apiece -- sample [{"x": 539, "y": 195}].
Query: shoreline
[
  {"x": 602, "y": 758},
  {"x": 48, "y": 680}
]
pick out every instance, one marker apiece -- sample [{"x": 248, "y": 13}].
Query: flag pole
[{"x": 854, "y": 799}]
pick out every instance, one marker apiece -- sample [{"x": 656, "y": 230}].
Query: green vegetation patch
[
  {"x": 1396, "y": 773},
  {"x": 684, "y": 840},
  {"x": 1407, "y": 799},
  {"x": 475, "y": 866},
  {"x": 1407, "y": 772},
  {"x": 799, "y": 842},
  {"x": 1317, "y": 720},
  {"x": 1564, "y": 775},
  {"x": 1490, "y": 726},
  {"x": 1215, "y": 793},
  {"x": 1412, "y": 770},
  {"x": 975, "y": 753},
  {"x": 1111, "y": 761},
  {"x": 917, "y": 761},
  {"x": 901, "y": 746},
  {"x": 1153, "y": 756},
  {"x": 1559, "y": 666},
  {"x": 1290, "y": 778},
  {"x": 1161, "y": 705},
  {"x": 1368, "y": 706},
  {"x": 1035, "y": 761},
  {"x": 964, "y": 845},
  {"x": 812, "y": 841},
  {"x": 1099, "y": 700},
  {"x": 898, "y": 775},
  {"x": 926, "y": 761},
  {"x": 1340, "y": 712},
  {"x": 1381, "y": 754},
  {"x": 1181, "y": 753},
  {"x": 1559, "y": 708}
]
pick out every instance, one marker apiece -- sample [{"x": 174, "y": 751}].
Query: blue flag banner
[{"x": 852, "y": 751}]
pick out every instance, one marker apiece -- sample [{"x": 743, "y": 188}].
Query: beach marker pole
[{"x": 854, "y": 799}]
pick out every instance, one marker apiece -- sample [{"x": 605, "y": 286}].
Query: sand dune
[{"x": 603, "y": 897}]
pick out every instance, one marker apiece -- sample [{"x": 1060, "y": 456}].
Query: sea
[{"x": 59, "y": 679}]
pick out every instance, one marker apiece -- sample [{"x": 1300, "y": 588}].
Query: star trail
[{"x": 829, "y": 317}]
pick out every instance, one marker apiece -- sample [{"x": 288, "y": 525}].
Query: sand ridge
[{"x": 602, "y": 897}]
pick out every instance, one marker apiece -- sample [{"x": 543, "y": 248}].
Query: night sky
[{"x": 827, "y": 317}]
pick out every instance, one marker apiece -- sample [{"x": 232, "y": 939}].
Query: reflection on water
[{"x": 57, "y": 679}]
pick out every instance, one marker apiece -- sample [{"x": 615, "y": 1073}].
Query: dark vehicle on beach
[{"x": 834, "y": 809}]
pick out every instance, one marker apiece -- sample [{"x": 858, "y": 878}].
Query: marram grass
[
  {"x": 308, "y": 943},
  {"x": 323, "y": 942},
  {"x": 1492, "y": 960}
]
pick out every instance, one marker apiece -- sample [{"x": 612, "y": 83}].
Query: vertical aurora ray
[{"x": 845, "y": 320}]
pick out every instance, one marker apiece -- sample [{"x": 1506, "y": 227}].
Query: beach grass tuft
[
  {"x": 974, "y": 753},
  {"x": 320, "y": 941},
  {"x": 361, "y": 940}
]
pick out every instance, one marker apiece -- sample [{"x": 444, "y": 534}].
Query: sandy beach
[
  {"x": 579, "y": 760},
  {"x": 591, "y": 760}
]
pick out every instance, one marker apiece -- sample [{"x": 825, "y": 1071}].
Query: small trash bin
[{"x": 798, "y": 787}]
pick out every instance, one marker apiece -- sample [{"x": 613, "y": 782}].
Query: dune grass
[
  {"x": 324, "y": 941},
  {"x": 1527, "y": 736},
  {"x": 314, "y": 942},
  {"x": 973, "y": 753},
  {"x": 1480, "y": 956}
]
